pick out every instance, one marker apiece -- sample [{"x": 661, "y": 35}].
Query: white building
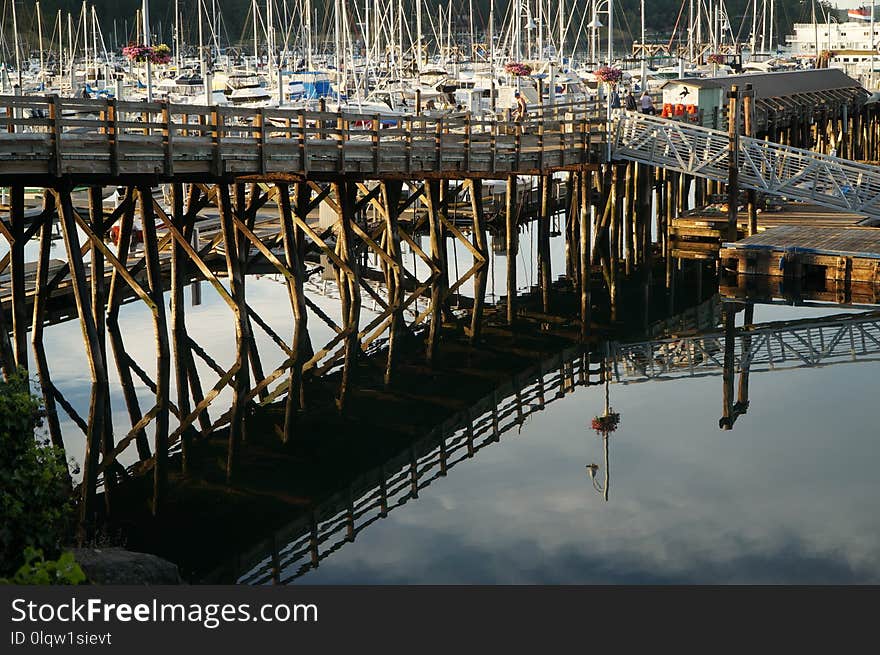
[{"x": 833, "y": 36}]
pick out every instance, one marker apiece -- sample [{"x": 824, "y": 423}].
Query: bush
[
  {"x": 37, "y": 571},
  {"x": 35, "y": 499}
]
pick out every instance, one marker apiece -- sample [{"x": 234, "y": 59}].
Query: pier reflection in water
[
  {"x": 690, "y": 504},
  {"x": 373, "y": 497}
]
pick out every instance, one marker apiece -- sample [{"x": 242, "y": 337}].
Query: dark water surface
[{"x": 787, "y": 496}]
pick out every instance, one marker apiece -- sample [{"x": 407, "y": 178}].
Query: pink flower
[{"x": 608, "y": 74}]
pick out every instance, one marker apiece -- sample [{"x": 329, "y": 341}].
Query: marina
[{"x": 316, "y": 308}]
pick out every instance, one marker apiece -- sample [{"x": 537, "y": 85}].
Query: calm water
[{"x": 789, "y": 495}]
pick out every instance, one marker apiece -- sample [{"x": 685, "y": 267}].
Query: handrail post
[
  {"x": 55, "y": 117},
  {"x": 112, "y": 136},
  {"x": 216, "y": 136},
  {"x": 340, "y": 148},
  {"x": 541, "y": 139},
  {"x": 167, "y": 138},
  {"x": 467, "y": 141},
  {"x": 301, "y": 121},
  {"x": 438, "y": 143},
  {"x": 375, "y": 140},
  {"x": 260, "y": 136},
  {"x": 409, "y": 143}
]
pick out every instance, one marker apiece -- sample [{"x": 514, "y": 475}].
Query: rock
[{"x": 117, "y": 566}]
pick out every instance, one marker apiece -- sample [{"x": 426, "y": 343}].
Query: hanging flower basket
[
  {"x": 518, "y": 69},
  {"x": 608, "y": 74},
  {"x": 606, "y": 423},
  {"x": 715, "y": 59},
  {"x": 160, "y": 54}
]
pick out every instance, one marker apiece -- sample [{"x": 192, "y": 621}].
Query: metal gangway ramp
[{"x": 764, "y": 166}]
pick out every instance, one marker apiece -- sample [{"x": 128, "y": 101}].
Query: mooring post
[
  {"x": 732, "y": 162},
  {"x": 749, "y": 129},
  {"x": 742, "y": 394},
  {"x": 729, "y": 316},
  {"x": 432, "y": 205}
]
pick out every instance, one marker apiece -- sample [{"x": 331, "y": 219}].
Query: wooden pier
[
  {"x": 281, "y": 190},
  {"x": 846, "y": 255}
]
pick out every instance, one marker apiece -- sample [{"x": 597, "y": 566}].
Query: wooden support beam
[
  {"x": 293, "y": 243},
  {"x": 20, "y": 321},
  {"x": 585, "y": 253},
  {"x": 99, "y": 300},
  {"x": 432, "y": 204},
  {"x": 96, "y": 363},
  {"x": 511, "y": 215},
  {"x": 45, "y": 253},
  {"x": 391, "y": 195},
  {"x": 163, "y": 358},
  {"x": 482, "y": 244},
  {"x": 544, "y": 265},
  {"x": 180, "y": 348},
  {"x": 237, "y": 426},
  {"x": 349, "y": 285}
]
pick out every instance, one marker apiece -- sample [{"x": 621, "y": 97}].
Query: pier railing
[
  {"x": 76, "y": 137},
  {"x": 301, "y": 546},
  {"x": 764, "y": 166},
  {"x": 768, "y": 347}
]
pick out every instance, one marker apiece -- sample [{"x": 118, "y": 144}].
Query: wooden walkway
[{"x": 86, "y": 140}]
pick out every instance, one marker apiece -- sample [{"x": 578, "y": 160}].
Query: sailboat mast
[
  {"x": 17, "y": 57},
  {"x": 145, "y": 13},
  {"x": 419, "y": 33},
  {"x": 561, "y": 31},
  {"x": 70, "y": 51},
  {"x": 177, "y": 56},
  {"x": 40, "y": 37}
]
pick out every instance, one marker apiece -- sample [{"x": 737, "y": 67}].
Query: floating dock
[{"x": 841, "y": 254}]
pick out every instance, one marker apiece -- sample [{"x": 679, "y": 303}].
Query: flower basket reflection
[
  {"x": 518, "y": 69},
  {"x": 608, "y": 74},
  {"x": 606, "y": 423}
]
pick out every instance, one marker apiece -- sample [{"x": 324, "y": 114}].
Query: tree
[{"x": 35, "y": 499}]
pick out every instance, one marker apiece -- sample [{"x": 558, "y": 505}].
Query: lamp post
[
  {"x": 604, "y": 425},
  {"x": 145, "y": 13}
]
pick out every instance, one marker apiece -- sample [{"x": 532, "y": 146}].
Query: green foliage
[
  {"x": 36, "y": 570},
  {"x": 35, "y": 500}
]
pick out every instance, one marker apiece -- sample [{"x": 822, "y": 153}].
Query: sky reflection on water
[{"x": 788, "y": 496}]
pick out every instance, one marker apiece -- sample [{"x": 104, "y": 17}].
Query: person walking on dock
[
  {"x": 630, "y": 101},
  {"x": 521, "y": 110},
  {"x": 647, "y": 104}
]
